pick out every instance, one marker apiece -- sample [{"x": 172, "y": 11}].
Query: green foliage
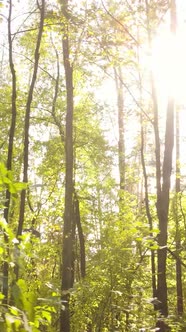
[
  {"x": 6, "y": 181},
  {"x": 18, "y": 320},
  {"x": 116, "y": 293}
]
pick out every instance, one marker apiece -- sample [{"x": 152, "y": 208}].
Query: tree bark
[
  {"x": 162, "y": 178},
  {"x": 57, "y": 121},
  {"x": 163, "y": 198},
  {"x": 145, "y": 175},
  {"x": 163, "y": 210},
  {"x": 155, "y": 110},
  {"x": 162, "y": 181},
  {"x": 10, "y": 151},
  {"x": 27, "y": 124},
  {"x": 149, "y": 216},
  {"x": 121, "y": 138},
  {"x": 177, "y": 214},
  {"x": 67, "y": 250},
  {"x": 81, "y": 238}
]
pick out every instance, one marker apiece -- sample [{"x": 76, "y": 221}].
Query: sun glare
[{"x": 168, "y": 65}]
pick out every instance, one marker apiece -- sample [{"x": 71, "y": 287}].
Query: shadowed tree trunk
[
  {"x": 67, "y": 250},
  {"x": 81, "y": 237},
  {"x": 162, "y": 178},
  {"x": 177, "y": 215},
  {"x": 145, "y": 175},
  {"x": 41, "y": 8},
  {"x": 10, "y": 151},
  {"x": 163, "y": 197},
  {"x": 149, "y": 216},
  {"x": 163, "y": 210}
]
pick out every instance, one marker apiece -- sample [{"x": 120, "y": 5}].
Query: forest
[{"x": 92, "y": 165}]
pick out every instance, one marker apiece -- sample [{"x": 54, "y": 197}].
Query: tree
[
  {"x": 176, "y": 206},
  {"x": 41, "y": 9},
  {"x": 67, "y": 281},
  {"x": 162, "y": 179},
  {"x": 91, "y": 237},
  {"x": 164, "y": 194},
  {"x": 121, "y": 141},
  {"x": 10, "y": 149}
]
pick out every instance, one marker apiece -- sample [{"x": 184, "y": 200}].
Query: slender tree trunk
[
  {"x": 149, "y": 216},
  {"x": 162, "y": 181},
  {"x": 155, "y": 111},
  {"x": 163, "y": 209},
  {"x": 57, "y": 121},
  {"x": 163, "y": 199},
  {"x": 10, "y": 151},
  {"x": 27, "y": 123},
  {"x": 81, "y": 238},
  {"x": 178, "y": 235},
  {"x": 147, "y": 207},
  {"x": 67, "y": 249},
  {"x": 157, "y": 139},
  {"x": 121, "y": 141}
]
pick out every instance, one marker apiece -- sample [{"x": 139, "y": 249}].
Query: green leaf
[
  {"x": 20, "y": 185},
  {"x": 139, "y": 239},
  {"x": 14, "y": 310},
  {"x": 6, "y": 180},
  {"x": 154, "y": 247}
]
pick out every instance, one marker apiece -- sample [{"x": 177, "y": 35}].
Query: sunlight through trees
[{"x": 92, "y": 167}]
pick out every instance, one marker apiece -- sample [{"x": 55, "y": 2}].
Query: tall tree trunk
[
  {"x": 147, "y": 207},
  {"x": 67, "y": 249},
  {"x": 162, "y": 179},
  {"x": 177, "y": 215},
  {"x": 121, "y": 138},
  {"x": 157, "y": 140},
  {"x": 81, "y": 237},
  {"x": 10, "y": 150},
  {"x": 163, "y": 198},
  {"x": 149, "y": 216},
  {"x": 163, "y": 210},
  {"x": 27, "y": 123},
  {"x": 155, "y": 110}
]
